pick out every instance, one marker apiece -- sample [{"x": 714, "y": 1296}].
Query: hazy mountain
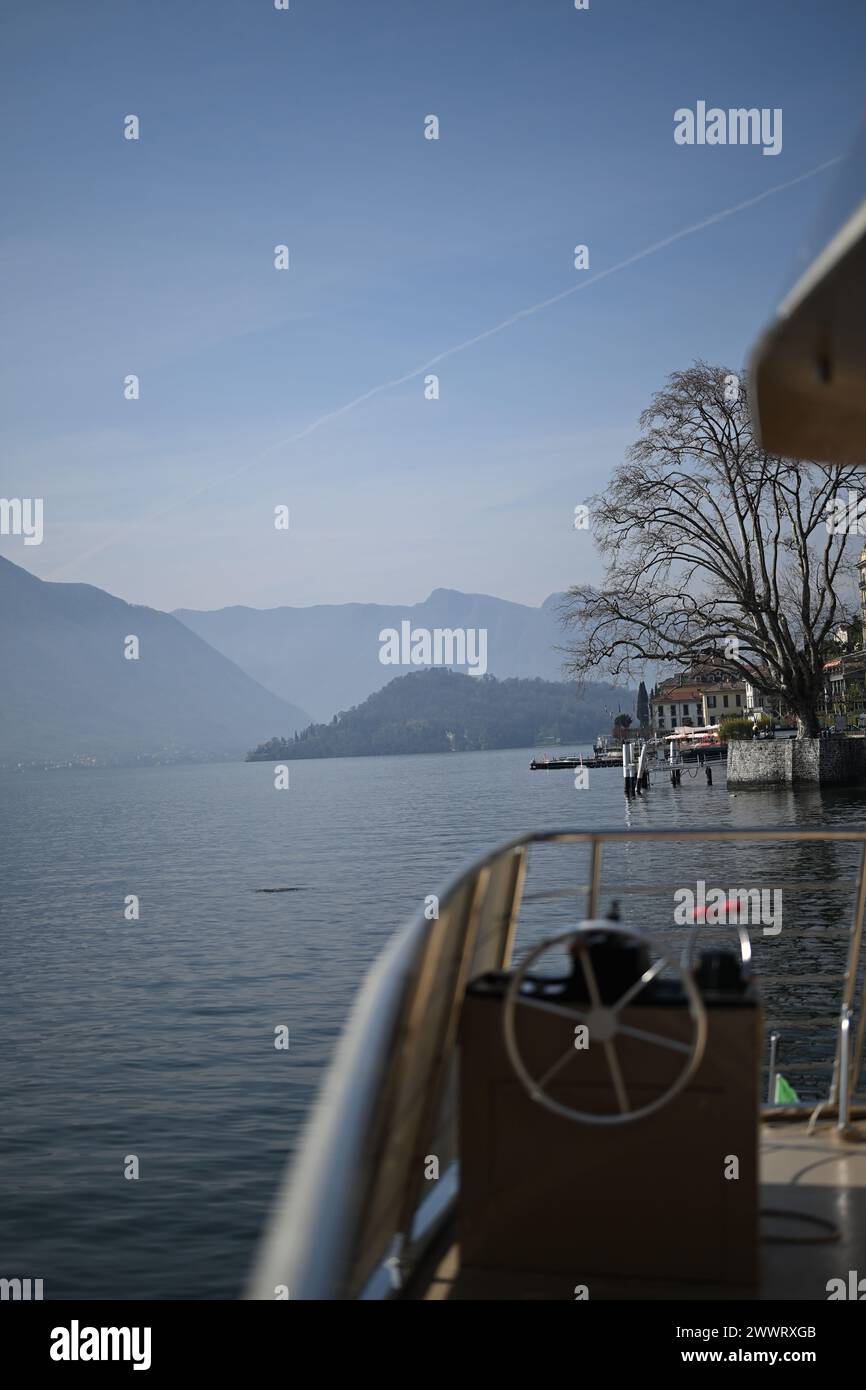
[
  {"x": 327, "y": 657},
  {"x": 441, "y": 711},
  {"x": 67, "y": 691}
]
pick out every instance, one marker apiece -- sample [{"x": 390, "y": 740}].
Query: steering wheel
[{"x": 604, "y": 1023}]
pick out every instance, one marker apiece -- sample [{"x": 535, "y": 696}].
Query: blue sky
[{"x": 305, "y": 127}]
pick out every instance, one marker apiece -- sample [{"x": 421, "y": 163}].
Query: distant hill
[
  {"x": 440, "y": 711},
  {"x": 67, "y": 692},
  {"x": 327, "y": 657}
]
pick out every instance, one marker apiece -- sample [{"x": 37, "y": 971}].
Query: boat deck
[
  {"x": 813, "y": 1229},
  {"x": 359, "y": 1204}
]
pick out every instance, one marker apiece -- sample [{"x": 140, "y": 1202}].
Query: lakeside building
[
  {"x": 758, "y": 702},
  {"x": 702, "y": 696},
  {"x": 725, "y": 700},
  {"x": 845, "y": 674},
  {"x": 845, "y": 683},
  {"x": 673, "y": 704}
]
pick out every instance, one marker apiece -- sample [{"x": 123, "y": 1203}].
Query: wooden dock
[{"x": 549, "y": 764}]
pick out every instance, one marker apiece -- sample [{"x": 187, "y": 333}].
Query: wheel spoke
[
  {"x": 589, "y": 976},
  {"x": 658, "y": 1038},
  {"x": 638, "y": 985},
  {"x": 557, "y": 1066},
  {"x": 616, "y": 1073},
  {"x": 547, "y": 1007}
]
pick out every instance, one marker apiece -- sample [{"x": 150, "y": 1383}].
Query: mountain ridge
[
  {"x": 327, "y": 656},
  {"x": 69, "y": 694}
]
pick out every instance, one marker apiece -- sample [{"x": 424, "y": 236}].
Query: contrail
[{"x": 529, "y": 312}]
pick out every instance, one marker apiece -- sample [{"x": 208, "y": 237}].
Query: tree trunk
[{"x": 807, "y": 718}]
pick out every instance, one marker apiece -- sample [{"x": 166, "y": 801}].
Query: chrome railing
[{"x": 353, "y": 1206}]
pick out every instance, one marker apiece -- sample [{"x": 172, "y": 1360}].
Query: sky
[{"x": 305, "y": 387}]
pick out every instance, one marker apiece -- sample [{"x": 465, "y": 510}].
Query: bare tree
[{"x": 715, "y": 551}]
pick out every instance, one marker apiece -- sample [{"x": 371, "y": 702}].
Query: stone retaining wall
[{"x": 827, "y": 761}]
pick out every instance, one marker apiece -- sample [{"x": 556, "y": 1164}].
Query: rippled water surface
[{"x": 155, "y": 1038}]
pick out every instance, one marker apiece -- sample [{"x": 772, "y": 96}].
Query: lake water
[{"x": 155, "y": 1037}]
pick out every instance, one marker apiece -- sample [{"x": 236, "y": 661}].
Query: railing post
[
  {"x": 594, "y": 879},
  {"x": 771, "y": 1081},
  {"x": 841, "y": 1087},
  {"x": 859, "y": 1043},
  {"x": 844, "y": 1071}
]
